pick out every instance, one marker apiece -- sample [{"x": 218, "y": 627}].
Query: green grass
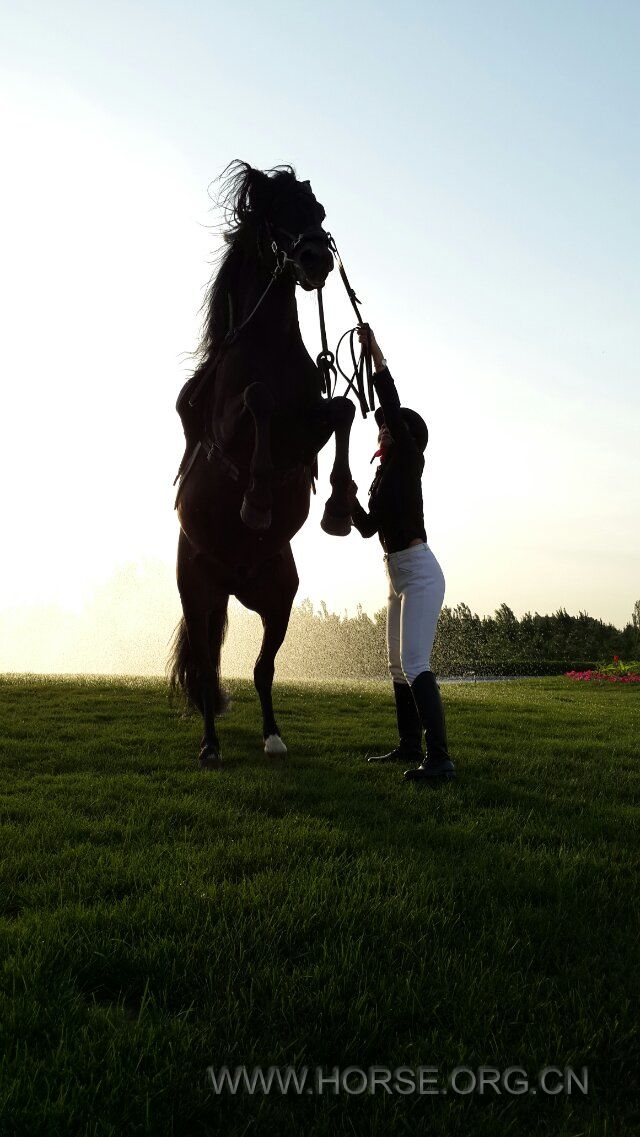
[{"x": 156, "y": 920}]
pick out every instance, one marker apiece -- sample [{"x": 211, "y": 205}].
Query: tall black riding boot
[
  {"x": 437, "y": 763},
  {"x": 409, "y": 728}
]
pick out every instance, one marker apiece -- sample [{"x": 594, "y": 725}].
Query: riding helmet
[{"x": 417, "y": 426}]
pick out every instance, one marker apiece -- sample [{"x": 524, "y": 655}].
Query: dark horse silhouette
[{"x": 255, "y": 419}]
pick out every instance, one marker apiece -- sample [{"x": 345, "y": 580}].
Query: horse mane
[{"x": 247, "y": 198}]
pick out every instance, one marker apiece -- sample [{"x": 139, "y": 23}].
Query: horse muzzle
[{"x": 313, "y": 262}]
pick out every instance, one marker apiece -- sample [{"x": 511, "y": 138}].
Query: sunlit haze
[{"x": 479, "y": 166}]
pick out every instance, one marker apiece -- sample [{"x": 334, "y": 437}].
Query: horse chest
[{"x": 290, "y": 373}]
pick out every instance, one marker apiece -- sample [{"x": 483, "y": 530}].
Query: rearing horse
[{"x": 255, "y": 419}]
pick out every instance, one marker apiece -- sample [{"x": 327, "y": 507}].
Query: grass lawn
[{"x": 156, "y": 920}]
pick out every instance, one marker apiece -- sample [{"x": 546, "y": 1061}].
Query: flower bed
[{"x": 615, "y": 672}]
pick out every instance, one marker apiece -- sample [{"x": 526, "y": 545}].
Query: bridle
[{"x": 328, "y": 364}]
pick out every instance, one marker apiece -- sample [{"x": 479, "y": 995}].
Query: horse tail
[
  {"x": 218, "y": 624},
  {"x": 184, "y": 679}
]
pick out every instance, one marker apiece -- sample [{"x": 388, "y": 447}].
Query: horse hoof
[
  {"x": 274, "y": 746},
  {"x": 255, "y": 518},
  {"x": 336, "y": 526},
  {"x": 209, "y": 760}
]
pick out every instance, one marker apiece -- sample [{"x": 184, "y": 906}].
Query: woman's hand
[{"x": 366, "y": 336}]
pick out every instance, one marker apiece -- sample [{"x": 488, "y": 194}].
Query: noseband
[{"x": 288, "y": 256}]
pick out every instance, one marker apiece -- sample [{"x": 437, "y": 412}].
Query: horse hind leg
[
  {"x": 256, "y": 506},
  {"x": 271, "y": 594},
  {"x": 205, "y": 633},
  {"x": 195, "y": 660},
  {"x": 275, "y": 627}
]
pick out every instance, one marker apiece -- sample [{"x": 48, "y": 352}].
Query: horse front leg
[
  {"x": 256, "y": 504},
  {"x": 336, "y": 519}
]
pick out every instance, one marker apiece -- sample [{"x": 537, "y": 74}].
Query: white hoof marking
[{"x": 274, "y": 745}]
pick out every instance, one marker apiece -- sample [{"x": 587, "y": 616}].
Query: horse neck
[{"x": 276, "y": 318}]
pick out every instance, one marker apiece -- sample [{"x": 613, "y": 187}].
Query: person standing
[{"x": 415, "y": 579}]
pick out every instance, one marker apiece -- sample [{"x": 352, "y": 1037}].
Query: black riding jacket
[{"x": 395, "y": 498}]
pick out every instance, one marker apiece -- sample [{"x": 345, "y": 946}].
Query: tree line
[{"x": 323, "y": 644}]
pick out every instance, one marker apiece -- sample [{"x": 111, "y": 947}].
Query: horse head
[{"x": 283, "y": 217}]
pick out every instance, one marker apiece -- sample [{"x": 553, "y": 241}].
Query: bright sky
[{"x": 479, "y": 165}]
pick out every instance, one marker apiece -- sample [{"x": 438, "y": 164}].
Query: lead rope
[
  {"x": 355, "y": 381},
  {"x": 325, "y": 360}
]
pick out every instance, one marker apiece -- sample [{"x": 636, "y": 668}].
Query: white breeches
[{"x": 416, "y": 593}]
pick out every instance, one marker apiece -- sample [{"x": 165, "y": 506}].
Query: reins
[
  {"x": 355, "y": 382},
  {"x": 327, "y": 363}
]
